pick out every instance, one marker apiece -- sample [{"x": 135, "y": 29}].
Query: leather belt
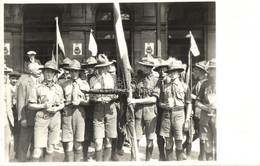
[{"x": 176, "y": 108}]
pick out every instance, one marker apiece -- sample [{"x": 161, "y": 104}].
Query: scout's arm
[{"x": 148, "y": 100}]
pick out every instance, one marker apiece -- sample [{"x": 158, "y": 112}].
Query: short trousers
[
  {"x": 46, "y": 129},
  {"x": 145, "y": 126},
  {"x": 207, "y": 126},
  {"x": 172, "y": 124},
  {"x": 73, "y": 124},
  {"x": 105, "y": 121}
]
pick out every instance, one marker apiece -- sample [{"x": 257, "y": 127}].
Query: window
[
  {"x": 182, "y": 18},
  {"x": 105, "y": 32}
]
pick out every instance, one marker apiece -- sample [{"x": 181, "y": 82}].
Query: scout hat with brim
[
  {"x": 147, "y": 61},
  {"x": 74, "y": 65},
  {"x": 175, "y": 65},
  {"x": 103, "y": 61},
  {"x": 65, "y": 63},
  {"x": 211, "y": 63},
  {"x": 160, "y": 66},
  {"x": 201, "y": 65},
  {"x": 91, "y": 61},
  {"x": 50, "y": 65},
  {"x": 7, "y": 69},
  {"x": 15, "y": 74}
]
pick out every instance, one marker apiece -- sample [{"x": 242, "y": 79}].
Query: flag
[
  {"x": 195, "y": 51},
  {"x": 58, "y": 50},
  {"x": 122, "y": 56},
  {"x": 193, "y": 46},
  {"x": 120, "y": 36},
  {"x": 92, "y": 46}
]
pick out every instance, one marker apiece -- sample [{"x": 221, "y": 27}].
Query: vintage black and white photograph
[{"x": 110, "y": 82}]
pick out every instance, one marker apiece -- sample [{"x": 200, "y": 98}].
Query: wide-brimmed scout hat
[
  {"x": 201, "y": 65},
  {"x": 50, "y": 65},
  {"x": 74, "y": 65},
  {"x": 65, "y": 63},
  {"x": 90, "y": 62},
  {"x": 160, "y": 66},
  {"x": 15, "y": 74},
  {"x": 211, "y": 63},
  {"x": 103, "y": 61},
  {"x": 175, "y": 65},
  {"x": 7, "y": 69},
  {"x": 31, "y": 53},
  {"x": 147, "y": 61}
]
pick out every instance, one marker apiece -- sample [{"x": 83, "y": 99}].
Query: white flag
[
  {"x": 58, "y": 37},
  {"x": 193, "y": 46},
  {"x": 92, "y": 46}
]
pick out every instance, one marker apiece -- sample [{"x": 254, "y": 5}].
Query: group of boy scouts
[{"x": 48, "y": 99}]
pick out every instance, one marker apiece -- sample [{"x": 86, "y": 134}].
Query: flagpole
[
  {"x": 122, "y": 53},
  {"x": 57, "y": 56}
]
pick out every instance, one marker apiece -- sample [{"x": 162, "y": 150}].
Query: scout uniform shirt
[
  {"x": 74, "y": 90},
  {"x": 179, "y": 92},
  {"x": 42, "y": 93},
  {"x": 146, "y": 87}
]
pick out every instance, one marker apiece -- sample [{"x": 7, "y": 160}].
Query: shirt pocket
[
  {"x": 180, "y": 94},
  {"x": 44, "y": 96}
]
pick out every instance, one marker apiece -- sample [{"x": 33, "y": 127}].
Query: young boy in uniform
[
  {"x": 47, "y": 99},
  {"x": 73, "y": 118},
  {"x": 144, "y": 101},
  {"x": 90, "y": 72},
  {"x": 175, "y": 97},
  {"x": 206, "y": 102},
  {"x": 105, "y": 114}
]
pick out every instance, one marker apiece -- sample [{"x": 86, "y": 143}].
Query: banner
[
  {"x": 193, "y": 46},
  {"x": 92, "y": 46}
]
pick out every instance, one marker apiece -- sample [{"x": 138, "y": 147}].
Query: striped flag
[
  {"x": 125, "y": 66},
  {"x": 120, "y": 36},
  {"x": 92, "y": 46}
]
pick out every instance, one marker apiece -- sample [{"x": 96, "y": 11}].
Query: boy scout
[
  {"x": 145, "y": 97},
  {"x": 206, "y": 102},
  {"x": 105, "y": 113},
  {"x": 90, "y": 72},
  {"x": 160, "y": 140},
  {"x": 73, "y": 118},
  {"x": 199, "y": 73},
  {"x": 47, "y": 99},
  {"x": 177, "y": 96}
]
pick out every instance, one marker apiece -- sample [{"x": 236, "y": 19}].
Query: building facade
[{"x": 160, "y": 28}]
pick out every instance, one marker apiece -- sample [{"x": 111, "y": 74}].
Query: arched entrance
[{"x": 39, "y": 29}]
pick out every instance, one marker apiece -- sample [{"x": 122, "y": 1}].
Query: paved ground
[{"x": 59, "y": 154}]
